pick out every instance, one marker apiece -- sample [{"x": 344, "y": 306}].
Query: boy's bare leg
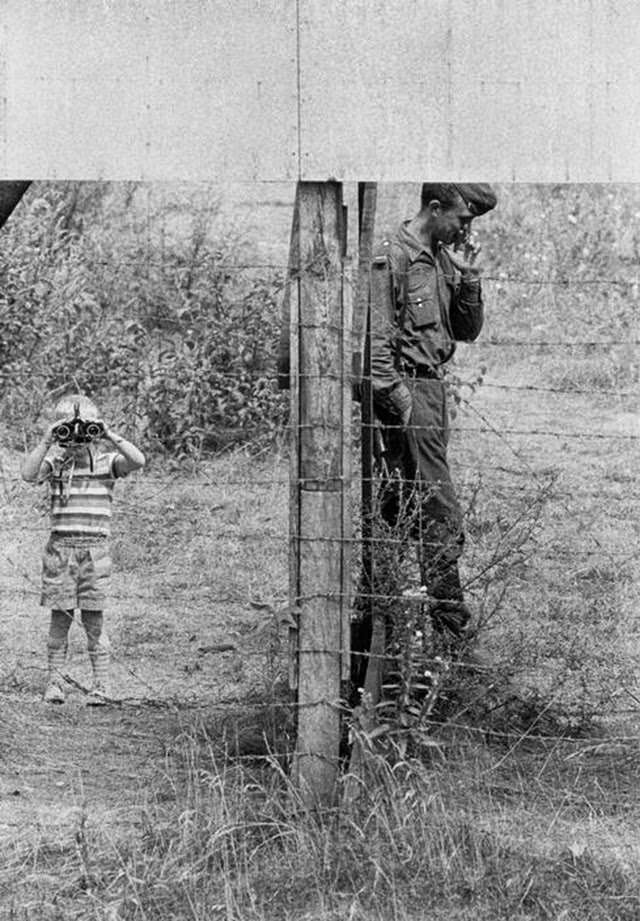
[
  {"x": 56, "y": 655},
  {"x": 99, "y": 654}
]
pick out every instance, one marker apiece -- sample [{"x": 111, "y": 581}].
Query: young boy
[{"x": 76, "y": 562}]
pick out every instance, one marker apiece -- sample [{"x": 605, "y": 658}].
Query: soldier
[{"x": 425, "y": 296}]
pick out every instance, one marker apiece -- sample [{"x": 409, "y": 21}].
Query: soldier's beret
[{"x": 479, "y": 196}]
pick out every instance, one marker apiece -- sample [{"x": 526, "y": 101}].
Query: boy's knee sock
[
  {"x": 100, "y": 660},
  {"x": 57, "y": 643},
  {"x": 55, "y": 661},
  {"x": 98, "y": 646}
]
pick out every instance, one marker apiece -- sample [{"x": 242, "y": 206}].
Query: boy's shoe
[
  {"x": 99, "y": 695},
  {"x": 53, "y": 693}
]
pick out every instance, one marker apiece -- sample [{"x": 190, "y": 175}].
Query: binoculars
[{"x": 78, "y": 431}]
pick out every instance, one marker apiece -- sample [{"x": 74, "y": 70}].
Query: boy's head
[
  {"x": 66, "y": 407},
  {"x": 71, "y": 434}
]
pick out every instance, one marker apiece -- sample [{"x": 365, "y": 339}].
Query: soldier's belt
[{"x": 422, "y": 372}]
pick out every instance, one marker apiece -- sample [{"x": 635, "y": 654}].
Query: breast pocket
[
  {"x": 423, "y": 305},
  {"x": 424, "y": 312}
]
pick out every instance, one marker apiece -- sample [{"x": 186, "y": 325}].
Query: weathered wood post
[{"x": 320, "y": 380}]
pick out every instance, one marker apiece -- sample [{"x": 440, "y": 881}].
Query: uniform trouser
[{"x": 418, "y": 500}]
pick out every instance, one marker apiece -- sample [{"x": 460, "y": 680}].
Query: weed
[{"x": 178, "y": 348}]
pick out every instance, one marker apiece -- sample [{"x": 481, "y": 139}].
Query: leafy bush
[{"x": 154, "y": 321}]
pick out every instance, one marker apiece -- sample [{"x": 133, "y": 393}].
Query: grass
[
  {"x": 179, "y": 805},
  {"x": 473, "y": 835},
  {"x": 495, "y": 824}
]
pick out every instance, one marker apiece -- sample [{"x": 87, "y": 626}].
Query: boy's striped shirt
[{"x": 81, "y": 497}]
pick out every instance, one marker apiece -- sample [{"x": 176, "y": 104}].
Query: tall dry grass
[{"x": 465, "y": 836}]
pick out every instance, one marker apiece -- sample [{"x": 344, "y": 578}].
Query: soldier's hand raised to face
[{"x": 466, "y": 261}]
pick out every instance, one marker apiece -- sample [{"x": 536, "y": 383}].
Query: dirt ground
[
  {"x": 195, "y": 558},
  {"x": 187, "y": 642}
]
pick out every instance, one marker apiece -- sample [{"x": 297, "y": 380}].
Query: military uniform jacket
[{"x": 420, "y": 307}]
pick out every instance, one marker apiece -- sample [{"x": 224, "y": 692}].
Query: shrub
[{"x": 154, "y": 321}]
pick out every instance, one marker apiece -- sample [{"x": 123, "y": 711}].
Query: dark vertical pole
[
  {"x": 367, "y": 198},
  {"x": 375, "y": 638},
  {"x": 288, "y": 335},
  {"x": 346, "y": 444},
  {"x": 10, "y": 195},
  {"x": 366, "y": 216},
  {"x": 369, "y": 671}
]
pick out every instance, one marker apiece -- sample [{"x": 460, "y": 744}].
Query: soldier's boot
[{"x": 451, "y": 618}]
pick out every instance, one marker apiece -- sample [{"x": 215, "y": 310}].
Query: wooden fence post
[{"x": 321, "y": 392}]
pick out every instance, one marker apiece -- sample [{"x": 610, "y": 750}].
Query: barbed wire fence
[{"x": 324, "y": 550}]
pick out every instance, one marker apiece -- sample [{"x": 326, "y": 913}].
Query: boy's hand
[
  {"x": 51, "y": 429},
  {"x": 109, "y": 434},
  {"x": 129, "y": 457},
  {"x": 106, "y": 432},
  {"x": 115, "y": 439}
]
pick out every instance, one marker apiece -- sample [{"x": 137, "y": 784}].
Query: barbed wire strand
[
  {"x": 223, "y": 263},
  {"x": 224, "y": 705}
]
